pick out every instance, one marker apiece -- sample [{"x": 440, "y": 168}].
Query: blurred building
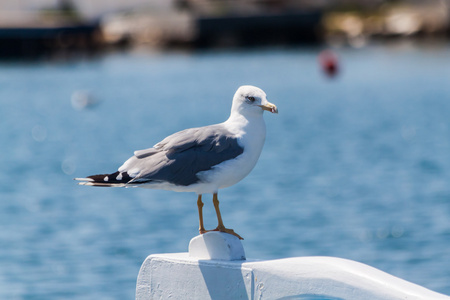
[
  {"x": 29, "y": 27},
  {"x": 87, "y": 9}
]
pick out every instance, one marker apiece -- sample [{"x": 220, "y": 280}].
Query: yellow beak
[{"x": 269, "y": 107}]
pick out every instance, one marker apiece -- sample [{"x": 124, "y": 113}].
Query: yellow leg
[
  {"x": 220, "y": 226},
  {"x": 201, "y": 228}
]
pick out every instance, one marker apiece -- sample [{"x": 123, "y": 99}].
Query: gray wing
[{"x": 178, "y": 158}]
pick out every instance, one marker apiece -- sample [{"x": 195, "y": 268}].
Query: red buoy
[{"x": 329, "y": 63}]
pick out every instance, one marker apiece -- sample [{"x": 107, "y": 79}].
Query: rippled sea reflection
[{"x": 356, "y": 167}]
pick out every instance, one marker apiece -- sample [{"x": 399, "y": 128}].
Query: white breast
[{"x": 251, "y": 137}]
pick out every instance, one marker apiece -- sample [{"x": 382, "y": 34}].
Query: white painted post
[
  {"x": 218, "y": 246},
  {"x": 215, "y": 268}
]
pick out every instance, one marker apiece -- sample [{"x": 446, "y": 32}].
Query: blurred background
[{"x": 356, "y": 164}]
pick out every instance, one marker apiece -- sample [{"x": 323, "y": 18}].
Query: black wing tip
[{"x": 106, "y": 179}]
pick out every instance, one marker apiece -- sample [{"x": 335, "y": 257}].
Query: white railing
[{"x": 215, "y": 268}]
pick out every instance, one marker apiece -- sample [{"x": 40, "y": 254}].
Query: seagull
[{"x": 201, "y": 160}]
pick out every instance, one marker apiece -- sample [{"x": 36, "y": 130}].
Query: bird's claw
[
  {"x": 224, "y": 230},
  {"x": 229, "y": 231}
]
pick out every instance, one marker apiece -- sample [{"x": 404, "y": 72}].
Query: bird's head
[{"x": 251, "y": 100}]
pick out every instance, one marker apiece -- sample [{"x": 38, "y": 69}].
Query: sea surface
[{"x": 356, "y": 166}]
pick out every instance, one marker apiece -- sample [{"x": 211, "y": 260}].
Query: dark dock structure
[
  {"x": 36, "y": 41},
  {"x": 260, "y": 29}
]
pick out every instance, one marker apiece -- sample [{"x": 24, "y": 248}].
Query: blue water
[{"x": 355, "y": 167}]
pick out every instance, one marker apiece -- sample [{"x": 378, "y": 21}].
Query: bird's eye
[{"x": 252, "y": 99}]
